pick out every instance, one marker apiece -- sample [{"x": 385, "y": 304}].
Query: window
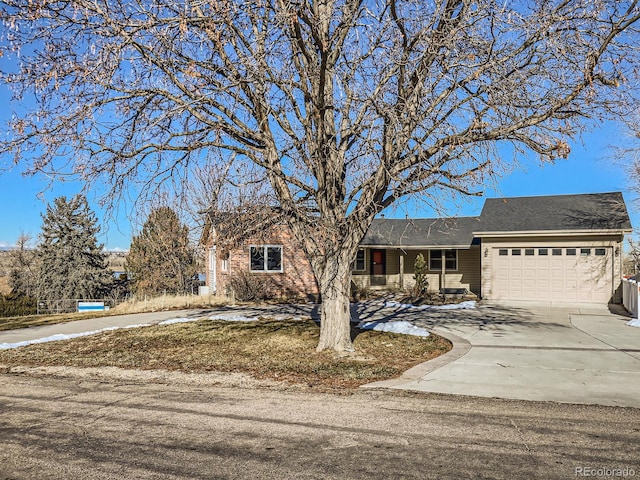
[
  {"x": 450, "y": 260},
  {"x": 515, "y": 251},
  {"x": 585, "y": 252},
  {"x": 556, "y": 251},
  {"x": 571, "y": 251},
  {"x": 543, "y": 251},
  {"x": 359, "y": 264},
  {"x": 224, "y": 263},
  {"x": 503, "y": 252},
  {"x": 529, "y": 252},
  {"x": 601, "y": 252},
  {"x": 266, "y": 258}
]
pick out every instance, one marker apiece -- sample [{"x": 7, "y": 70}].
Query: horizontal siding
[{"x": 467, "y": 276}]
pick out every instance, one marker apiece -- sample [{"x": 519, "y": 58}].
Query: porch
[{"x": 448, "y": 269}]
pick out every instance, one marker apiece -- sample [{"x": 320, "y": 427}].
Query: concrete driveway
[{"x": 563, "y": 354}]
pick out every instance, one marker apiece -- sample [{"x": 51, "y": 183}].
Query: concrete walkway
[
  {"x": 90, "y": 325},
  {"x": 583, "y": 355}
]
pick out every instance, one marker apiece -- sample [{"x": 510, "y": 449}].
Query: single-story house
[{"x": 561, "y": 248}]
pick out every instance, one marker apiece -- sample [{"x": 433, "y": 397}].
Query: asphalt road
[{"x": 74, "y": 428}]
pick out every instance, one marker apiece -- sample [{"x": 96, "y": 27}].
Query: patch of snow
[
  {"x": 68, "y": 336},
  {"x": 404, "y": 327},
  {"x": 284, "y": 316},
  {"x": 233, "y": 318},
  {"x": 171, "y": 321},
  {"x": 634, "y": 323},
  {"x": 452, "y": 306}
]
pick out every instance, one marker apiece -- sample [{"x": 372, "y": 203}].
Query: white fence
[{"x": 630, "y": 295}]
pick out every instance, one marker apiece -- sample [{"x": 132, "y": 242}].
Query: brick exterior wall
[{"x": 296, "y": 279}]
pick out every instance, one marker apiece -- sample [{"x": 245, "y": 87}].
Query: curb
[{"x": 460, "y": 349}]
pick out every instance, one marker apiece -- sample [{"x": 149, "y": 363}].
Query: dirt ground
[{"x": 114, "y": 424}]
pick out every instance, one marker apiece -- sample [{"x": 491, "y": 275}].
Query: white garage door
[{"x": 553, "y": 274}]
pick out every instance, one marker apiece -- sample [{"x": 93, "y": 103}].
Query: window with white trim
[
  {"x": 224, "y": 263},
  {"x": 450, "y": 260},
  {"x": 265, "y": 258}
]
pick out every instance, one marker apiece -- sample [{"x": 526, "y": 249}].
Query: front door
[{"x": 378, "y": 267}]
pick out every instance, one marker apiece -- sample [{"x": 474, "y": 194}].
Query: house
[
  {"x": 561, "y": 248},
  {"x": 260, "y": 247}
]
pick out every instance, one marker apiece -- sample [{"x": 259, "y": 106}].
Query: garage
[
  {"x": 556, "y": 248},
  {"x": 558, "y": 274}
]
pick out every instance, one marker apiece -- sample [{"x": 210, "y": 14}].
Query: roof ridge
[{"x": 555, "y": 195}]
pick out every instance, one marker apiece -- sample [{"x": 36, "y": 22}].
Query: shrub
[
  {"x": 246, "y": 287},
  {"x": 420, "y": 276},
  {"x": 359, "y": 293},
  {"x": 17, "y": 305}
]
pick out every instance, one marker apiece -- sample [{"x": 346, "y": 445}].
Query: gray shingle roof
[
  {"x": 595, "y": 211},
  {"x": 419, "y": 232}
]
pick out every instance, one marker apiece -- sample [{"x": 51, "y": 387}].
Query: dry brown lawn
[{"x": 271, "y": 349}]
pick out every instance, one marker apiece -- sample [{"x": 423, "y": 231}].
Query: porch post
[
  {"x": 401, "y": 283},
  {"x": 442, "y": 273}
]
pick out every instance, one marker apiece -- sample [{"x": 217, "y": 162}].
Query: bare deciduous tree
[
  {"x": 23, "y": 266},
  {"x": 343, "y": 106}
]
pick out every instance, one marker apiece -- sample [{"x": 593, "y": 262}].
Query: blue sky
[{"x": 588, "y": 169}]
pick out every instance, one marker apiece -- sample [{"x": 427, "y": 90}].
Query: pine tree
[
  {"x": 161, "y": 258},
  {"x": 72, "y": 263}
]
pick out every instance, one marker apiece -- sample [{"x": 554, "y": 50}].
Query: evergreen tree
[
  {"x": 161, "y": 258},
  {"x": 72, "y": 263},
  {"x": 420, "y": 276}
]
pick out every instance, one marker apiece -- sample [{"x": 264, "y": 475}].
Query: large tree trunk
[{"x": 335, "y": 320}]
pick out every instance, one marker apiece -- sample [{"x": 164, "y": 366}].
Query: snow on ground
[
  {"x": 171, "y": 321},
  {"x": 67, "y": 336},
  {"x": 452, "y": 306},
  {"x": 634, "y": 323},
  {"x": 233, "y": 318},
  {"x": 392, "y": 327},
  {"x": 404, "y": 327}
]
